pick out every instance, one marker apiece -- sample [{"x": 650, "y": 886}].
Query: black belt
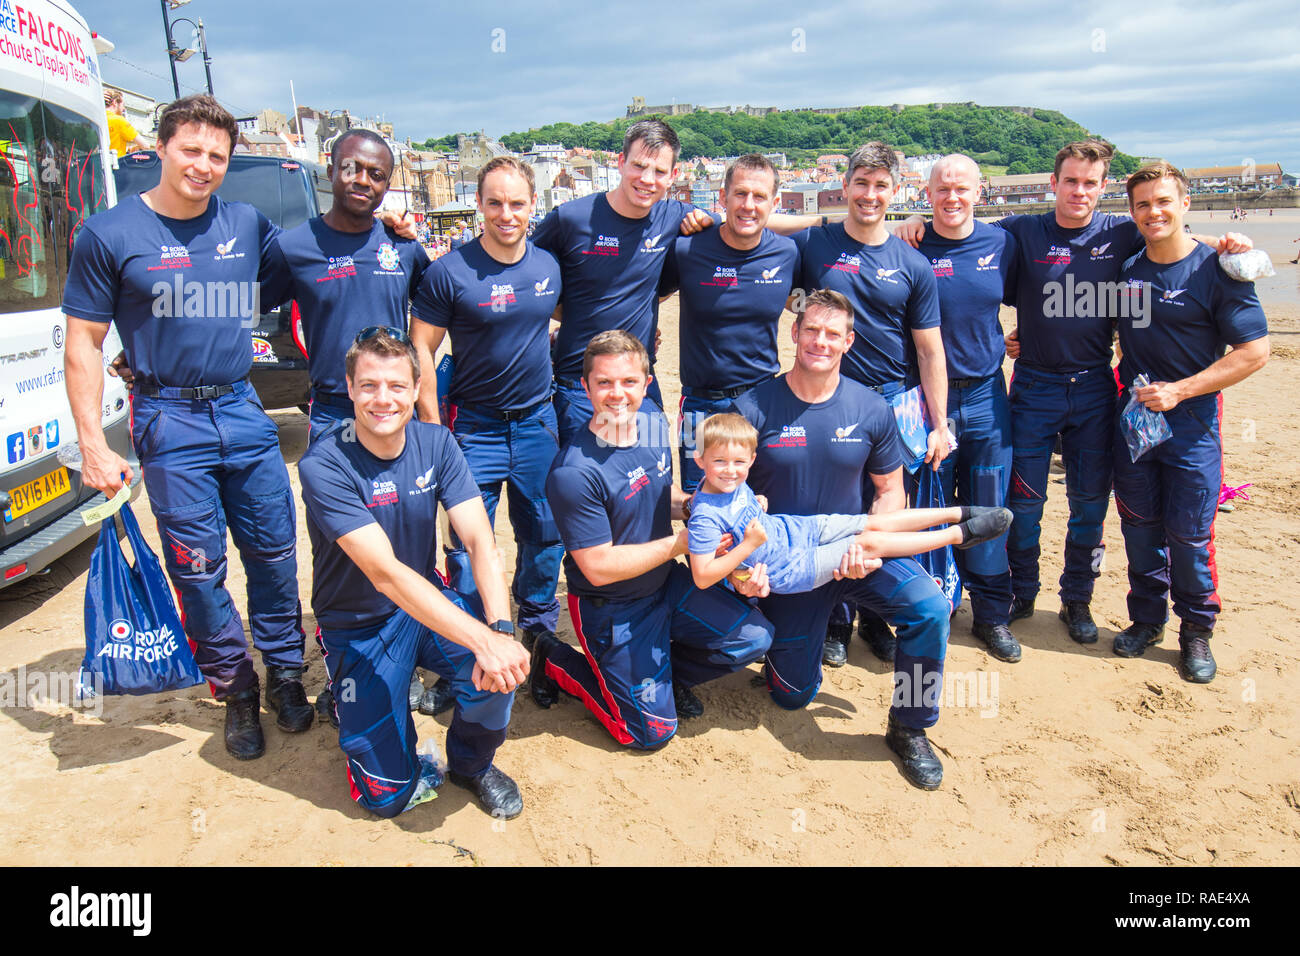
[
  {"x": 332, "y": 399},
  {"x": 567, "y": 383},
  {"x": 967, "y": 382},
  {"x": 714, "y": 394},
  {"x": 200, "y": 393},
  {"x": 505, "y": 415}
]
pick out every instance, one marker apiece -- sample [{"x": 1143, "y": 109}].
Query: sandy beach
[{"x": 1072, "y": 756}]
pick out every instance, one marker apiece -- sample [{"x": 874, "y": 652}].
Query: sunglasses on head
[{"x": 370, "y": 331}]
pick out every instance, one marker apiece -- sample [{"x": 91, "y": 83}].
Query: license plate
[{"x": 42, "y": 491}]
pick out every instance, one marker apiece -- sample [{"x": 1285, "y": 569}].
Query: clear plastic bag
[
  {"x": 1143, "y": 429},
  {"x": 1247, "y": 266}
]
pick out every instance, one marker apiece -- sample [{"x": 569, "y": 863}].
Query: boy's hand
[
  {"x": 754, "y": 534},
  {"x": 762, "y": 502},
  {"x": 1012, "y": 341}
]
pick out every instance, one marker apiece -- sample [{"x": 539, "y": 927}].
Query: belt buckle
[{"x": 206, "y": 393}]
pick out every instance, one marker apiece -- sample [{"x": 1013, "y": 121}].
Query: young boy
[{"x": 801, "y": 552}]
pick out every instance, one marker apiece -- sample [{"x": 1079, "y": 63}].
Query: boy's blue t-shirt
[{"x": 787, "y": 552}]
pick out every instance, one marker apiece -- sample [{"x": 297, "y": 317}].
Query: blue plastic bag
[
  {"x": 1143, "y": 429},
  {"x": 940, "y": 564},
  {"x": 134, "y": 640}
]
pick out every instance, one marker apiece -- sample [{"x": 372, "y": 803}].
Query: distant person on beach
[{"x": 1168, "y": 498}]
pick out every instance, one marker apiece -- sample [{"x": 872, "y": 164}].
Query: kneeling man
[
  {"x": 372, "y": 492},
  {"x": 643, "y": 625}
]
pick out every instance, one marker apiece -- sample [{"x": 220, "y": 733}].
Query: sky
[{"x": 1197, "y": 83}]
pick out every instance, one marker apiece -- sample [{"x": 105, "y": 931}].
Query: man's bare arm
[
  {"x": 889, "y": 492},
  {"x": 610, "y": 563},
  {"x": 427, "y": 338},
  {"x": 83, "y": 372},
  {"x": 934, "y": 383},
  {"x": 1241, "y": 361},
  {"x": 470, "y": 522},
  {"x": 503, "y": 663}
]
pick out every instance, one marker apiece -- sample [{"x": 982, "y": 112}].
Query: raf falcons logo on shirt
[
  {"x": 652, "y": 245},
  {"x": 986, "y": 263},
  {"x": 1170, "y": 296},
  {"x": 1099, "y": 252},
  {"x": 423, "y": 483},
  {"x": 636, "y": 480},
  {"x": 542, "y": 288},
  {"x": 662, "y": 464},
  {"x": 886, "y": 275},
  {"x": 845, "y": 434}
]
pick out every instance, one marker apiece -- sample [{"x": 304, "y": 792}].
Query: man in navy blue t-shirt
[
  {"x": 648, "y": 635},
  {"x": 372, "y": 490},
  {"x": 732, "y": 284},
  {"x": 611, "y": 248},
  {"x": 975, "y": 268},
  {"x": 179, "y": 272},
  {"x": 819, "y": 434},
  {"x": 495, "y": 296},
  {"x": 1190, "y": 312},
  {"x": 897, "y": 341},
  {"x": 348, "y": 271}
]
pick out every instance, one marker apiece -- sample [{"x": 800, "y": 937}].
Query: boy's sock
[{"x": 983, "y": 524}]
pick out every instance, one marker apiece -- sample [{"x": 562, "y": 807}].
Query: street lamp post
[{"x": 175, "y": 54}]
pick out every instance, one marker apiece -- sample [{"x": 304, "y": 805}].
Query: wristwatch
[{"x": 503, "y": 627}]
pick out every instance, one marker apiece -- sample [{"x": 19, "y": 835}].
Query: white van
[{"x": 54, "y": 174}]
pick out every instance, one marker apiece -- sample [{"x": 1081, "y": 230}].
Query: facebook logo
[
  {"x": 17, "y": 447},
  {"x": 52, "y": 434}
]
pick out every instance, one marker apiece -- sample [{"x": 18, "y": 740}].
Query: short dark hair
[
  {"x": 614, "y": 342},
  {"x": 369, "y": 135},
  {"x": 653, "y": 135},
  {"x": 507, "y": 162},
  {"x": 385, "y": 346},
  {"x": 874, "y": 155},
  {"x": 1092, "y": 150},
  {"x": 201, "y": 109},
  {"x": 1157, "y": 169},
  {"x": 753, "y": 162},
  {"x": 827, "y": 299}
]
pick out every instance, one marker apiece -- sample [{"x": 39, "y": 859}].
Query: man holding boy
[{"x": 647, "y": 634}]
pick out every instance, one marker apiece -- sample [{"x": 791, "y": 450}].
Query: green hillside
[{"x": 1024, "y": 140}]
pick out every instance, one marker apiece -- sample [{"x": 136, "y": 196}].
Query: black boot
[
  {"x": 497, "y": 793},
  {"x": 688, "y": 705},
  {"x": 835, "y": 652},
  {"x": 437, "y": 698},
  {"x": 1078, "y": 620},
  {"x": 544, "y": 691},
  {"x": 920, "y": 766},
  {"x": 244, "y": 740},
  {"x": 999, "y": 640},
  {"x": 285, "y": 695},
  {"x": 1021, "y": 608},
  {"x": 1195, "y": 662},
  {"x": 1134, "y": 640},
  {"x": 875, "y": 631}
]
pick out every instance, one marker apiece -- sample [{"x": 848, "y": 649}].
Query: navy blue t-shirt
[
  {"x": 184, "y": 293},
  {"x": 892, "y": 289},
  {"x": 1064, "y": 325},
  {"x": 602, "y": 494},
  {"x": 975, "y": 276},
  {"x": 731, "y": 302},
  {"x": 1196, "y": 311},
  {"x": 811, "y": 457},
  {"x": 345, "y": 487},
  {"x": 611, "y": 267},
  {"x": 499, "y": 319},
  {"x": 344, "y": 282}
]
